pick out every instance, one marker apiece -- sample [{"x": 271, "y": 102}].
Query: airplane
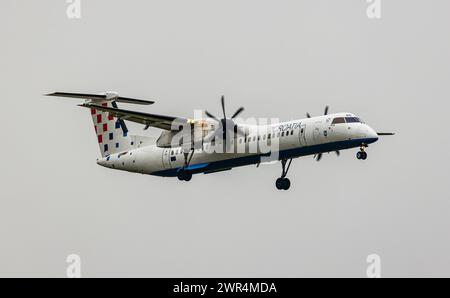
[{"x": 192, "y": 153}]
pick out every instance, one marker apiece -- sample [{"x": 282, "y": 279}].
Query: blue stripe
[
  {"x": 197, "y": 166},
  {"x": 254, "y": 159}
]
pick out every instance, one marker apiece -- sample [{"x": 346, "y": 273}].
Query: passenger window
[
  {"x": 282, "y": 134},
  {"x": 292, "y": 132},
  {"x": 338, "y": 120}
]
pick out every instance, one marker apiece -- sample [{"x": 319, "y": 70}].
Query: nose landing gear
[
  {"x": 362, "y": 154},
  {"x": 284, "y": 183}
]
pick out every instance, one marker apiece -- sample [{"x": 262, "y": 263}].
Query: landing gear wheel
[
  {"x": 180, "y": 175},
  {"x": 279, "y": 183},
  {"x": 187, "y": 176},
  {"x": 361, "y": 155},
  {"x": 184, "y": 175},
  {"x": 286, "y": 183},
  {"x": 283, "y": 183}
]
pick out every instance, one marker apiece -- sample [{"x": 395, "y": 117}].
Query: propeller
[
  {"x": 318, "y": 157},
  {"x": 226, "y": 122},
  {"x": 325, "y": 112}
]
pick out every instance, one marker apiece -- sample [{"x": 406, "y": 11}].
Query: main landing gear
[
  {"x": 284, "y": 183},
  {"x": 361, "y": 153},
  {"x": 184, "y": 174}
]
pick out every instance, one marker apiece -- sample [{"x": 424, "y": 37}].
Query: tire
[
  {"x": 364, "y": 155},
  {"x": 187, "y": 176},
  {"x": 359, "y": 155},
  {"x": 286, "y": 184},
  {"x": 279, "y": 183}
]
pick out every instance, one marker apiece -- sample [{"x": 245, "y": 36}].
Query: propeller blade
[
  {"x": 222, "y": 99},
  {"x": 319, "y": 157},
  {"x": 326, "y": 110},
  {"x": 211, "y": 116},
  {"x": 240, "y": 110},
  {"x": 308, "y": 115},
  {"x": 337, "y": 152}
]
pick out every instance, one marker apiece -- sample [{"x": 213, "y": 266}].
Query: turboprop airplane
[{"x": 191, "y": 146}]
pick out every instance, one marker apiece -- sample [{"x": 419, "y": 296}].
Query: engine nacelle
[{"x": 169, "y": 139}]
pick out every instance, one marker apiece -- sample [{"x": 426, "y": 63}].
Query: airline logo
[{"x": 288, "y": 126}]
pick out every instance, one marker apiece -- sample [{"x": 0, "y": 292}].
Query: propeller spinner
[{"x": 225, "y": 122}]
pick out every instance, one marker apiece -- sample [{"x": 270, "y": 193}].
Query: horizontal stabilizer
[
  {"x": 159, "y": 121},
  {"x": 103, "y": 96}
]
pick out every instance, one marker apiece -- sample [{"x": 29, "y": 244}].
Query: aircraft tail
[{"x": 112, "y": 133}]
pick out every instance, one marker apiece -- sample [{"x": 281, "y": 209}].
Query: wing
[{"x": 159, "y": 121}]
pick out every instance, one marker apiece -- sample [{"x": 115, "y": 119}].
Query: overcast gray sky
[{"x": 275, "y": 58}]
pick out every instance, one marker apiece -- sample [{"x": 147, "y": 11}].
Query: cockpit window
[
  {"x": 352, "y": 119},
  {"x": 338, "y": 120}
]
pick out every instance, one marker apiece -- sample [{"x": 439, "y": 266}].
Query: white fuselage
[{"x": 287, "y": 140}]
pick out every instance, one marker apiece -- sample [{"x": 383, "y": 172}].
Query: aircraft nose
[{"x": 372, "y": 134}]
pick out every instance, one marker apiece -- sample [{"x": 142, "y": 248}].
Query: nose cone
[{"x": 372, "y": 135}]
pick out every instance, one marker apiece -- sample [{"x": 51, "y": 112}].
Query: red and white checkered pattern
[{"x": 109, "y": 133}]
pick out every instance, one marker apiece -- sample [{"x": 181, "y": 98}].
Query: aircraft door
[
  {"x": 302, "y": 135},
  {"x": 309, "y": 130},
  {"x": 166, "y": 158},
  {"x": 316, "y": 135}
]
